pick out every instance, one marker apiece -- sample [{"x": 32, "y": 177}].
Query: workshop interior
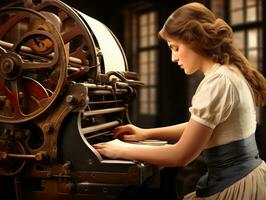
[{"x": 72, "y": 71}]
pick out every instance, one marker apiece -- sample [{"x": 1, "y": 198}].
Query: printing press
[{"x": 64, "y": 86}]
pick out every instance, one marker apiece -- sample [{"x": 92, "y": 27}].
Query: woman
[{"x": 223, "y": 117}]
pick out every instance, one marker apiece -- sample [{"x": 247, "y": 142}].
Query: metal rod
[
  {"x": 103, "y": 111},
  {"x": 94, "y": 86},
  {"x": 105, "y": 102},
  {"x": 75, "y": 69},
  {"x": 37, "y": 156},
  {"x": 20, "y": 155},
  {"x": 106, "y": 133},
  {"x": 103, "y": 92},
  {"x": 8, "y": 45},
  {"x": 100, "y": 127}
]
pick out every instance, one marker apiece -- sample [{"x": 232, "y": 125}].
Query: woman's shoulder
[
  {"x": 218, "y": 76},
  {"x": 224, "y": 75},
  {"x": 230, "y": 70},
  {"x": 222, "y": 81}
]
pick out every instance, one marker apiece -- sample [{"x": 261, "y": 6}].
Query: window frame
[{"x": 140, "y": 49}]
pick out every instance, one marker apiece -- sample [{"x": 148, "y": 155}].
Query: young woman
[{"x": 223, "y": 116}]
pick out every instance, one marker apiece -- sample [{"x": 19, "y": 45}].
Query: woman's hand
[
  {"x": 113, "y": 149},
  {"x": 130, "y": 132}
]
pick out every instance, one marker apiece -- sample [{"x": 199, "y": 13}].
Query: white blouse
[{"x": 223, "y": 101}]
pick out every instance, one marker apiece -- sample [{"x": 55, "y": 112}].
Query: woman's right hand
[{"x": 130, "y": 132}]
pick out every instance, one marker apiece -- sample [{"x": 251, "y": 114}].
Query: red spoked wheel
[{"x": 33, "y": 64}]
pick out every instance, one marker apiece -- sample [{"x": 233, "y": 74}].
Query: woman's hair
[{"x": 197, "y": 27}]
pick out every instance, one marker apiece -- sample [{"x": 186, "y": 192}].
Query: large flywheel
[
  {"x": 84, "y": 52},
  {"x": 33, "y": 64}
]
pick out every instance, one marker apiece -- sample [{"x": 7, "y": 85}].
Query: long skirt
[{"x": 251, "y": 187}]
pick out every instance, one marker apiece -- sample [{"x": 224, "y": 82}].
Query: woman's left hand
[{"x": 113, "y": 149}]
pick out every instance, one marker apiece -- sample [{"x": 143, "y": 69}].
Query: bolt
[
  {"x": 8, "y": 65},
  {"x": 38, "y": 156},
  {"x": 70, "y": 99},
  {"x": 3, "y": 155},
  {"x": 48, "y": 128}
]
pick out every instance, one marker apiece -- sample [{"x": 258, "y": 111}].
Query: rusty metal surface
[{"x": 56, "y": 101}]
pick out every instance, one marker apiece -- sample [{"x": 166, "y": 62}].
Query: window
[
  {"x": 217, "y": 6},
  {"x": 245, "y": 11},
  {"x": 246, "y": 19},
  {"x": 147, "y": 62}
]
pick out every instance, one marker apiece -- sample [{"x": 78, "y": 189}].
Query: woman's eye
[{"x": 175, "y": 49}]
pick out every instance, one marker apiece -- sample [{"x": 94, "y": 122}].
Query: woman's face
[{"x": 185, "y": 57}]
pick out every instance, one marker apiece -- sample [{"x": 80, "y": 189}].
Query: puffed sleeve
[{"x": 214, "y": 100}]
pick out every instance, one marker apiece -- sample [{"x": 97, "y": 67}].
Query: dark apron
[{"x": 227, "y": 164}]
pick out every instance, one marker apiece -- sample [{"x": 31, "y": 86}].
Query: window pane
[
  {"x": 144, "y": 78},
  {"x": 143, "y": 95},
  {"x": 143, "y": 57},
  {"x": 238, "y": 39},
  {"x": 251, "y": 2},
  {"x": 236, "y": 4},
  {"x": 153, "y": 94},
  {"x": 217, "y": 6},
  {"x": 253, "y": 38},
  {"x": 143, "y": 31},
  {"x": 251, "y": 14},
  {"x": 153, "y": 56},
  {"x": 253, "y": 57},
  {"x": 144, "y": 41},
  {"x": 144, "y": 108},
  {"x": 153, "y": 68},
  {"x": 143, "y": 19},
  {"x": 143, "y": 69},
  {"x": 153, "y": 79},
  {"x": 237, "y": 17},
  {"x": 153, "y": 40},
  {"x": 153, "y": 17},
  {"x": 153, "y": 109},
  {"x": 153, "y": 29}
]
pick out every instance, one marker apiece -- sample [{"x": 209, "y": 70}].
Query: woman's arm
[
  {"x": 190, "y": 145},
  {"x": 130, "y": 132},
  {"x": 169, "y": 133}
]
